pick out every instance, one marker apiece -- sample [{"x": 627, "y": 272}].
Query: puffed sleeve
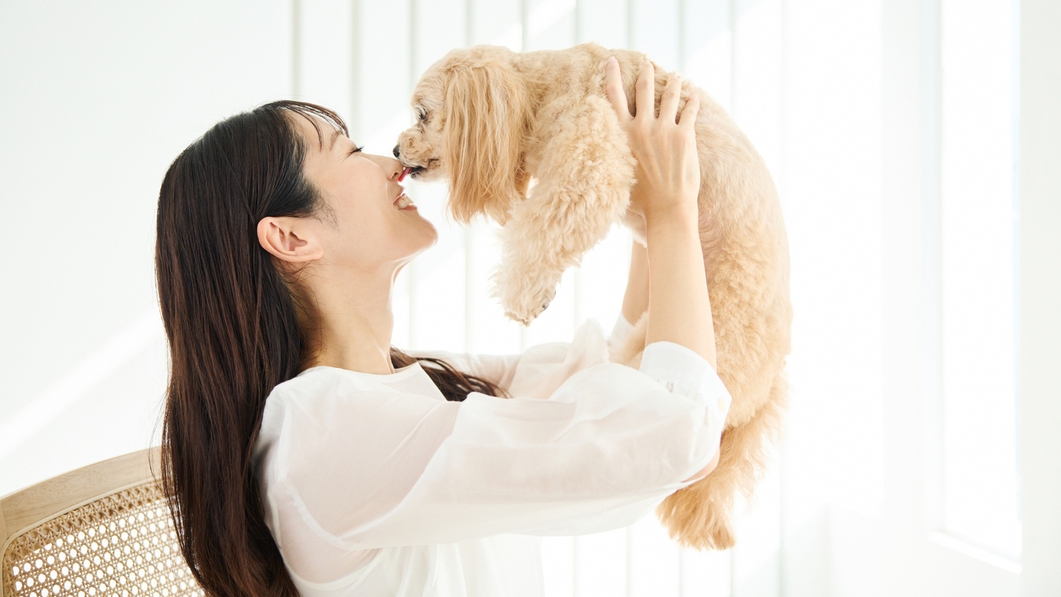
[{"x": 367, "y": 468}]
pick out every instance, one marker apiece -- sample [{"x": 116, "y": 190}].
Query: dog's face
[
  {"x": 420, "y": 146},
  {"x": 471, "y": 109}
]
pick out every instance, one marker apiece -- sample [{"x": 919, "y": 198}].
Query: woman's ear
[
  {"x": 289, "y": 239},
  {"x": 486, "y": 113}
]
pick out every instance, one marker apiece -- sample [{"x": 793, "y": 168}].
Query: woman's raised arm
[{"x": 668, "y": 181}]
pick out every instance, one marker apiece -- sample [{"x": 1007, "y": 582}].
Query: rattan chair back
[{"x": 101, "y": 530}]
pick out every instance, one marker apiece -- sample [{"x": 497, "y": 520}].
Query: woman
[{"x": 305, "y": 455}]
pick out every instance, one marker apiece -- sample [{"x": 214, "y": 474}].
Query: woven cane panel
[{"x": 123, "y": 544}]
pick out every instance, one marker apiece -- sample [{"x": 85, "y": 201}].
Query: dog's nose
[{"x": 397, "y": 151}]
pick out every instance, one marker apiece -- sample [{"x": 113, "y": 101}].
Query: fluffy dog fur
[{"x": 490, "y": 119}]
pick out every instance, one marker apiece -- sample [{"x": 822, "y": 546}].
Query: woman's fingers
[
  {"x": 645, "y": 91},
  {"x": 689, "y": 112},
  {"x": 645, "y": 95},
  {"x": 668, "y": 102},
  {"x": 613, "y": 88}
]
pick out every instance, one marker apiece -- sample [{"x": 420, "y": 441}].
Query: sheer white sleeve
[{"x": 364, "y": 467}]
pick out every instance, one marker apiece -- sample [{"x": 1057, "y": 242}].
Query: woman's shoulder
[
  {"x": 322, "y": 384},
  {"x": 310, "y": 382},
  {"x": 325, "y": 395}
]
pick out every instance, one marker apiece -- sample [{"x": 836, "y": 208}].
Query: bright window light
[{"x": 980, "y": 480}]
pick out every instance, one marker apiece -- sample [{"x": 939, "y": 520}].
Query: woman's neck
[{"x": 356, "y": 322}]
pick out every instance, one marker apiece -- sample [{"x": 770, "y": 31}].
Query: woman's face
[{"x": 367, "y": 229}]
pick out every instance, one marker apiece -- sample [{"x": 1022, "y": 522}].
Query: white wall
[
  {"x": 844, "y": 98},
  {"x": 96, "y": 99}
]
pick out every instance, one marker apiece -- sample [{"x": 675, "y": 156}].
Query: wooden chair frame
[
  {"x": 33, "y": 505},
  {"x": 96, "y": 486}
]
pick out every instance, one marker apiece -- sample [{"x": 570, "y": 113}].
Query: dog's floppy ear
[{"x": 485, "y": 109}]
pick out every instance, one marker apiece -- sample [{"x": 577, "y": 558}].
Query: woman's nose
[{"x": 392, "y": 168}]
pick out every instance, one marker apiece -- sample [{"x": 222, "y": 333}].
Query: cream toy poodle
[{"x": 490, "y": 120}]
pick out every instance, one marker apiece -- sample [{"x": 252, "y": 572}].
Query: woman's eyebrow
[{"x": 335, "y": 136}]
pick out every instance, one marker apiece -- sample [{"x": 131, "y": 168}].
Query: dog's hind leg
[{"x": 583, "y": 188}]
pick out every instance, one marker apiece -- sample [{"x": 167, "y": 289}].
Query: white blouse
[{"x": 376, "y": 485}]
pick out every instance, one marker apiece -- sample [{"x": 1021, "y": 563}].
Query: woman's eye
[{"x": 356, "y": 149}]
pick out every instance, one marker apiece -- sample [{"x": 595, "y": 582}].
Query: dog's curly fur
[{"x": 491, "y": 119}]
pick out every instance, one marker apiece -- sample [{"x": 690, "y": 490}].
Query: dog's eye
[{"x": 421, "y": 115}]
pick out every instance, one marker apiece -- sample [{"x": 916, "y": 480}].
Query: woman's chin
[{"x": 426, "y": 241}]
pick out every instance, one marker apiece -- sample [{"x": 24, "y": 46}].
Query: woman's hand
[
  {"x": 668, "y": 169},
  {"x": 668, "y": 180}
]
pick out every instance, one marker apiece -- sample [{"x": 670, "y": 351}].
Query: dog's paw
[
  {"x": 526, "y": 318},
  {"x": 524, "y": 302}
]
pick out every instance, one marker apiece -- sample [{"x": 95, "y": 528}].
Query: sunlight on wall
[{"x": 96, "y": 105}]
